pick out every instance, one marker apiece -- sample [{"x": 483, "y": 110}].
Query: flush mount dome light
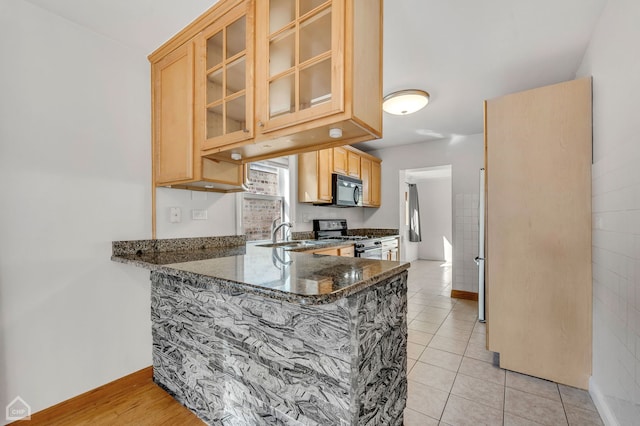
[{"x": 405, "y": 102}]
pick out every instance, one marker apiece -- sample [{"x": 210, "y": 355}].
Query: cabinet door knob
[
  {"x": 260, "y": 124},
  {"x": 245, "y": 130}
]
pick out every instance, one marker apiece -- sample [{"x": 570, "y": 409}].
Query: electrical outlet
[
  {"x": 175, "y": 216},
  {"x": 199, "y": 214},
  {"x": 305, "y": 217}
]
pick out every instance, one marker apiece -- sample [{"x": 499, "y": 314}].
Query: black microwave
[{"x": 346, "y": 191}]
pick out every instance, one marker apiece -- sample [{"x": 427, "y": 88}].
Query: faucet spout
[{"x": 275, "y": 229}]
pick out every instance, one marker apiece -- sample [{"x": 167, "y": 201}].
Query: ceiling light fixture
[{"x": 405, "y": 102}]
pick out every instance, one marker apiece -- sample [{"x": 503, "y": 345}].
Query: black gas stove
[{"x": 365, "y": 246}]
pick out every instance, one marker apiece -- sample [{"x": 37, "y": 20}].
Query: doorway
[{"x": 434, "y": 190}]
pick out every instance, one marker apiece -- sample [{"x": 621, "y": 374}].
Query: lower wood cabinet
[{"x": 344, "y": 251}]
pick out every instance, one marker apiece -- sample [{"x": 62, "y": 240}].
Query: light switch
[{"x": 175, "y": 215}]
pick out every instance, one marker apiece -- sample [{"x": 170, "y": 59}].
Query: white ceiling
[
  {"x": 427, "y": 173},
  {"x": 460, "y": 51}
]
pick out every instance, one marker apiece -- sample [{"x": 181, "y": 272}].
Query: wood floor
[{"x": 132, "y": 400}]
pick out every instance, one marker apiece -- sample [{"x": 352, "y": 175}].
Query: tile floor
[{"x": 454, "y": 380}]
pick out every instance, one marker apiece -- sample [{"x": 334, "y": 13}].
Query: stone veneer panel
[{"x": 239, "y": 358}]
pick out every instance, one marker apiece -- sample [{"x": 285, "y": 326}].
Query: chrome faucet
[{"x": 275, "y": 229}]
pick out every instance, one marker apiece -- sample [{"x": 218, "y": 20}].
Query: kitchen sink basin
[{"x": 291, "y": 244}]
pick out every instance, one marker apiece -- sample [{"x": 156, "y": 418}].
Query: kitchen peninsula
[{"x": 244, "y": 334}]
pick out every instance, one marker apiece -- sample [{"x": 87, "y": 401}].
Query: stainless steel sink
[{"x": 291, "y": 244}]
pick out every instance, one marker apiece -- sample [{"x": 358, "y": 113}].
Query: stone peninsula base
[{"x": 235, "y": 358}]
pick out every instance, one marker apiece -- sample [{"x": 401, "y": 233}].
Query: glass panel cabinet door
[
  {"x": 302, "y": 66},
  {"x": 225, "y": 98}
]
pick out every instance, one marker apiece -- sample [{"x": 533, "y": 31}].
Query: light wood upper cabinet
[
  {"x": 314, "y": 176},
  {"x": 346, "y": 161},
  {"x": 340, "y": 160},
  {"x": 315, "y": 169},
  {"x": 318, "y": 67},
  {"x": 224, "y": 95},
  {"x": 176, "y": 159},
  {"x": 370, "y": 175},
  {"x": 202, "y": 70},
  {"x": 376, "y": 180},
  {"x": 261, "y": 79},
  {"x": 353, "y": 164},
  {"x": 173, "y": 153}
]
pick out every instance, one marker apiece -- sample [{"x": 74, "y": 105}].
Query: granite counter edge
[{"x": 204, "y": 281}]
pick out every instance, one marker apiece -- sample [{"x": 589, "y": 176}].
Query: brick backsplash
[{"x": 258, "y": 214}]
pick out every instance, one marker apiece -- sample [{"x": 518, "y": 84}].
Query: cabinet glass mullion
[
  {"x": 310, "y": 6},
  {"x": 300, "y": 46},
  {"x": 226, "y": 80}
]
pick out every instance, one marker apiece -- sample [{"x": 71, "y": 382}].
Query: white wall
[
  {"x": 435, "y": 217},
  {"x": 75, "y": 167},
  {"x": 221, "y": 213},
  {"x": 466, "y": 156},
  {"x": 613, "y": 61}
]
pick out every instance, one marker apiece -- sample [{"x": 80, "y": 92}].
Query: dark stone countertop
[{"x": 276, "y": 273}]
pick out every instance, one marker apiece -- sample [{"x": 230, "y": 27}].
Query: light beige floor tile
[
  {"x": 576, "y": 397},
  {"x": 437, "y": 312},
  {"x": 414, "y": 418},
  {"x": 419, "y": 300},
  {"x": 447, "y": 344},
  {"x": 453, "y": 333},
  {"x": 411, "y": 315},
  {"x": 433, "y": 376},
  {"x": 482, "y": 370},
  {"x": 470, "y": 303},
  {"x": 426, "y": 400},
  {"x": 464, "y": 309},
  {"x": 464, "y": 316},
  {"x": 480, "y": 328},
  {"x": 443, "y": 302},
  {"x": 430, "y": 317},
  {"x": 444, "y": 359},
  {"x": 410, "y": 364},
  {"x": 533, "y": 385},
  {"x": 580, "y": 417},
  {"x": 462, "y": 412},
  {"x": 478, "y": 339},
  {"x": 534, "y": 407},
  {"x": 513, "y": 420},
  {"x": 419, "y": 337},
  {"x": 414, "y": 350},
  {"x": 425, "y": 327},
  {"x": 479, "y": 352},
  {"x": 457, "y": 324},
  {"x": 414, "y": 308},
  {"x": 481, "y": 391}
]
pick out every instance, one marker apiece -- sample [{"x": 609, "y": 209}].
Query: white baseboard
[{"x": 608, "y": 418}]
